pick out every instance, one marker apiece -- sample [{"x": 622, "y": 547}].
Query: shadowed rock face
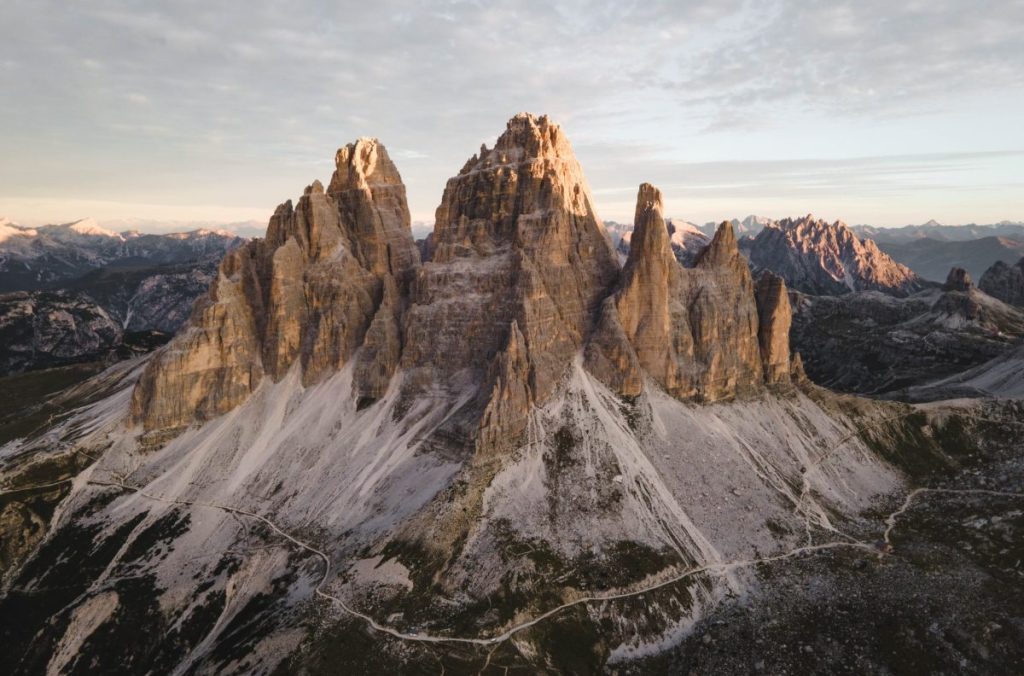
[
  {"x": 958, "y": 280},
  {"x": 1005, "y": 282}
]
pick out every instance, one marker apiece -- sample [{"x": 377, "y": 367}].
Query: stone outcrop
[
  {"x": 822, "y": 258},
  {"x": 958, "y": 280},
  {"x": 694, "y": 331},
  {"x": 1005, "y": 282},
  {"x": 328, "y": 277},
  {"x": 214, "y": 363},
  {"x": 649, "y": 305},
  {"x": 774, "y": 319}
]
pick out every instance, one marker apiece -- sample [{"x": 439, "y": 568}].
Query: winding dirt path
[{"x": 890, "y": 521}]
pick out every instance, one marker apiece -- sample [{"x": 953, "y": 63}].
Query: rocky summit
[
  {"x": 694, "y": 331},
  {"x": 505, "y": 450},
  {"x": 325, "y": 281},
  {"x": 1005, "y": 282},
  {"x": 818, "y": 257}
]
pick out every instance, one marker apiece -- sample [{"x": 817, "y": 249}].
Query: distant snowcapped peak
[
  {"x": 682, "y": 226},
  {"x": 9, "y": 230},
  {"x": 88, "y": 226}
]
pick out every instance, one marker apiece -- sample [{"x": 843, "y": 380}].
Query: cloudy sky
[{"x": 871, "y": 111}]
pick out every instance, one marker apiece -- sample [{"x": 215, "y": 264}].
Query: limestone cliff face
[
  {"x": 371, "y": 201},
  {"x": 694, "y": 331},
  {"x": 649, "y": 310},
  {"x": 327, "y": 278},
  {"x": 519, "y": 264},
  {"x": 775, "y": 317},
  {"x": 521, "y": 278},
  {"x": 212, "y": 365}
]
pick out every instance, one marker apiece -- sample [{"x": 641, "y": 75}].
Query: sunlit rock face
[
  {"x": 522, "y": 278},
  {"x": 329, "y": 273},
  {"x": 817, "y": 257},
  {"x": 519, "y": 265},
  {"x": 694, "y": 331}
]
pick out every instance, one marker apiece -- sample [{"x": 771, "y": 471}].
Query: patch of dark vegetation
[
  {"x": 135, "y": 638},
  {"x": 562, "y": 452},
  {"x": 365, "y": 402},
  {"x": 163, "y": 531},
  {"x": 907, "y": 442},
  {"x": 75, "y": 552},
  {"x": 348, "y": 647},
  {"x": 254, "y": 622},
  {"x": 777, "y": 528},
  {"x": 25, "y": 398},
  {"x": 59, "y": 571},
  {"x": 630, "y": 410},
  {"x": 571, "y": 643}
]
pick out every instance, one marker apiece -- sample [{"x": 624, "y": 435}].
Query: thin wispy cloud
[{"x": 240, "y": 105}]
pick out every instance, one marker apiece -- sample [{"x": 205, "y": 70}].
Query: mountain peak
[
  {"x": 9, "y": 229},
  {"x": 360, "y": 165},
  {"x": 89, "y": 227},
  {"x": 648, "y": 198},
  {"x": 515, "y": 238},
  {"x": 818, "y": 257},
  {"x": 722, "y": 249},
  {"x": 526, "y": 138},
  {"x": 693, "y": 331}
]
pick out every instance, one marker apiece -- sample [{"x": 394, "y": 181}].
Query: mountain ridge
[
  {"x": 817, "y": 257},
  {"x": 509, "y": 450}
]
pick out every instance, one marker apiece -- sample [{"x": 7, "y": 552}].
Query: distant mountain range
[
  {"x": 933, "y": 258},
  {"x": 79, "y": 291},
  {"x": 823, "y": 258},
  {"x": 46, "y": 257},
  {"x": 937, "y": 231},
  {"x": 872, "y": 343}
]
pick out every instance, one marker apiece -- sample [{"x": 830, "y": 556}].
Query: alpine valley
[
  {"x": 78, "y": 293},
  {"x": 519, "y": 447}
]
